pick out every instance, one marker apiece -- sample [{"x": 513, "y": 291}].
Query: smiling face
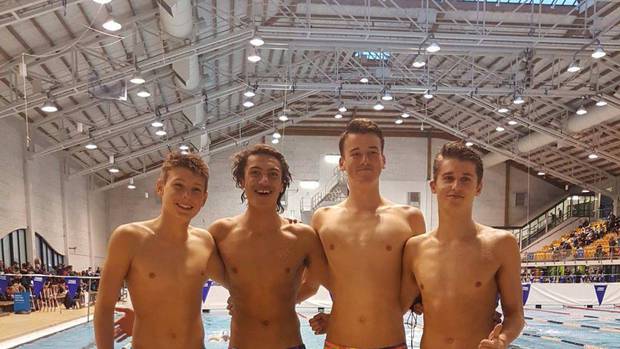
[
  {"x": 262, "y": 180},
  {"x": 455, "y": 182},
  {"x": 361, "y": 157},
  {"x": 183, "y": 193}
]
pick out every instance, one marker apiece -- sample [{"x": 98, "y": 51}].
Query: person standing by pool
[
  {"x": 363, "y": 238},
  {"x": 160, "y": 254},
  {"x": 460, "y": 267}
]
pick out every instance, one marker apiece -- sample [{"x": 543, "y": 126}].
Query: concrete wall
[
  {"x": 60, "y": 212},
  {"x": 406, "y": 171}
]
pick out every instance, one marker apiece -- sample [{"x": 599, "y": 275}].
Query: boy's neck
[{"x": 171, "y": 228}]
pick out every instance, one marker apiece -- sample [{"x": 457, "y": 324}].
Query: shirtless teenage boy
[
  {"x": 363, "y": 238},
  {"x": 158, "y": 255},
  {"x": 265, "y": 255},
  {"x": 460, "y": 267}
]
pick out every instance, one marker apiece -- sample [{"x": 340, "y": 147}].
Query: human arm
[
  {"x": 315, "y": 272},
  {"x": 509, "y": 285},
  {"x": 409, "y": 286},
  {"x": 116, "y": 267}
]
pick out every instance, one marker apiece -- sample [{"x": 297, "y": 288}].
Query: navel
[
  {"x": 151, "y": 275},
  {"x": 449, "y": 340},
  {"x": 478, "y": 283},
  {"x": 362, "y": 319},
  {"x": 265, "y": 323},
  {"x": 234, "y": 270},
  {"x": 287, "y": 270},
  {"x": 331, "y": 246},
  {"x": 388, "y": 247},
  {"x": 421, "y": 286}
]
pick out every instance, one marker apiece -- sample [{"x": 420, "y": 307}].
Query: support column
[
  {"x": 30, "y": 235},
  {"x": 91, "y": 260},
  {"x": 65, "y": 209}
]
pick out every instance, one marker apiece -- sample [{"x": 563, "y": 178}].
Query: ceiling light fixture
[
  {"x": 112, "y": 25},
  {"x": 283, "y": 117},
  {"x": 257, "y": 41},
  {"x": 469, "y": 144},
  {"x": 573, "y": 67},
  {"x": 592, "y": 156},
  {"x": 275, "y": 141},
  {"x": 598, "y": 51},
  {"x": 253, "y": 56},
  {"x": 601, "y": 102},
  {"x": 114, "y": 170},
  {"x": 248, "y": 104},
  {"x": 405, "y": 115},
  {"x": 499, "y": 129},
  {"x": 419, "y": 62},
  {"x": 91, "y": 146},
  {"x": 581, "y": 111},
  {"x": 276, "y": 135},
  {"x": 342, "y": 108},
  {"x": 157, "y": 123},
  {"x": 378, "y": 106},
  {"x": 433, "y": 47},
  {"x": 541, "y": 173},
  {"x": 518, "y": 99},
  {"x": 399, "y": 121},
  {"x": 144, "y": 93},
  {"x": 137, "y": 79},
  {"x": 184, "y": 147},
  {"x": 502, "y": 110},
  {"x": 512, "y": 122},
  {"x": 338, "y": 116},
  {"x": 49, "y": 106},
  {"x": 249, "y": 93},
  {"x": 428, "y": 94},
  {"x": 160, "y": 133}
]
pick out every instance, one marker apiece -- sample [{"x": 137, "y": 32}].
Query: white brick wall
[{"x": 46, "y": 199}]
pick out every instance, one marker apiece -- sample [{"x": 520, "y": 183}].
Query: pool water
[{"x": 538, "y": 333}]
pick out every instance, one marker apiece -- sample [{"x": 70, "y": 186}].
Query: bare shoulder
[
  {"x": 301, "y": 230},
  {"x": 222, "y": 227},
  {"x": 413, "y": 215},
  {"x": 323, "y": 214},
  {"x": 202, "y": 234},
  {"x": 131, "y": 231},
  {"x": 501, "y": 240},
  {"x": 416, "y": 241}
]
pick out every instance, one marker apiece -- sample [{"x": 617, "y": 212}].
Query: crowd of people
[
  {"x": 571, "y": 275},
  {"x": 54, "y": 291},
  {"x": 590, "y": 240}
]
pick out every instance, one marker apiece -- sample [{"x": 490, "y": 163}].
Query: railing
[
  {"x": 590, "y": 253},
  {"x": 571, "y": 206},
  {"x": 579, "y": 278},
  {"x": 316, "y": 199}
]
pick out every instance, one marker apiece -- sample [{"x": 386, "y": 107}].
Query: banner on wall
[
  {"x": 600, "y": 292},
  {"x": 37, "y": 285},
  {"x": 21, "y": 302},
  {"x": 4, "y": 283},
  {"x": 205, "y": 289},
  {"x": 72, "y": 285},
  {"x": 526, "y": 292}
]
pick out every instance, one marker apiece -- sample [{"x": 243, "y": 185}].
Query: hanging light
[
  {"x": 276, "y": 135},
  {"x": 283, "y": 117},
  {"x": 49, "y": 106},
  {"x": 469, "y": 144},
  {"x": 592, "y": 156},
  {"x": 428, "y": 94},
  {"x": 253, "y": 56},
  {"x": 131, "y": 186},
  {"x": 342, "y": 108},
  {"x": 541, "y": 173},
  {"x": 184, "y": 152},
  {"x": 499, "y": 129},
  {"x": 581, "y": 111},
  {"x": 144, "y": 93},
  {"x": 502, "y": 110},
  {"x": 573, "y": 67},
  {"x": 518, "y": 99},
  {"x": 601, "y": 102},
  {"x": 405, "y": 115},
  {"x": 419, "y": 62},
  {"x": 512, "y": 122},
  {"x": 257, "y": 41},
  {"x": 387, "y": 96},
  {"x": 160, "y": 133},
  {"x": 364, "y": 80},
  {"x": 112, "y": 25},
  {"x": 585, "y": 191},
  {"x": 157, "y": 123},
  {"x": 378, "y": 106},
  {"x": 114, "y": 170},
  {"x": 275, "y": 141},
  {"x": 137, "y": 79},
  {"x": 399, "y": 121},
  {"x": 598, "y": 51},
  {"x": 184, "y": 147},
  {"x": 102, "y": 2},
  {"x": 249, "y": 93},
  {"x": 433, "y": 47},
  {"x": 248, "y": 104},
  {"x": 91, "y": 146},
  {"x": 338, "y": 116}
]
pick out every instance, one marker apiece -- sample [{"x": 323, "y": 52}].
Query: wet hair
[
  {"x": 459, "y": 151},
  {"x": 360, "y": 126},
  {"x": 190, "y": 161},
  {"x": 240, "y": 160}
]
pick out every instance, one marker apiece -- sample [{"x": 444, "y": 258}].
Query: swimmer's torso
[
  {"x": 364, "y": 254},
  {"x": 458, "y": 286},
  {"x": 165, "y": 282},
  {"x": 264, "y": 272}
]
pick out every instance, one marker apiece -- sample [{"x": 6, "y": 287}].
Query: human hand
[
  {"x": 494, "y": 341},
  {"x": 123, "y": 326},
  {"x": 319, "y": 323},
  {"x": 229, "y": 306}
]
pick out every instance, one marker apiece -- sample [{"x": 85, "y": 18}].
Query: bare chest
[
  {"x": 272, "y": 260},
  {"x": 156, "y": 266},
  {"x": 456, "y": 271}
]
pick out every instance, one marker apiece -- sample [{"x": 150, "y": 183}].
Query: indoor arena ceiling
[{"x": 316, "y": 56}]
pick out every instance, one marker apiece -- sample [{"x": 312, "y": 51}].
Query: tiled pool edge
[{"x": 27, "y": 338}]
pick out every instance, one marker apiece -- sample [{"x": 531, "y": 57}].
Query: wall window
[
  {"x": 13, "y": 247},
  {"x": 48, "y": 256}
]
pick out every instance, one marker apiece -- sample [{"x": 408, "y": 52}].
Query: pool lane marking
[
  {"x": 592, "y": 309},
  {"x": 560, "y": 340},
  {"x": 573, "y": 315},
  {"x": 575, "y": 325}
]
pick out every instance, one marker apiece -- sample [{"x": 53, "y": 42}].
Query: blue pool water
[{"x": 538, "y": 333}]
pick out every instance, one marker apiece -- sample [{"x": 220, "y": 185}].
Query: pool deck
[{"x": 15, "y": 325}]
